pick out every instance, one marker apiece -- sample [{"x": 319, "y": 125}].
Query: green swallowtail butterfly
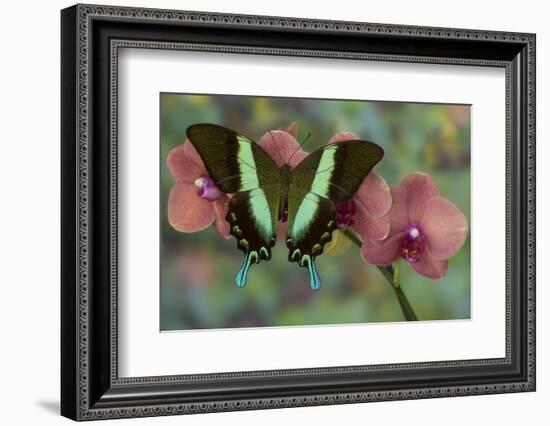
[{"x": 262, "y": 191}]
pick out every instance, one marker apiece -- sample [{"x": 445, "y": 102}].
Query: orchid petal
[
  {"x": 343, "y": 136},
  {"x": 297, "y": 158},
  {"x": 192, "y": 153},
  {"x": 430, "y": 267},
  {"x": 374, "y": 195},
  {"x": 374, "y": 228},
  {"x": 382, "y": 253},
  {"x": 185, "y": 164},
  {"x": 220, "y": 223},
  {"x": 399, "y": 217},
  {"x": 187, "y": 212},
  {"x": 292, "y": 129},
  {"x": 445, "y": 227},
  {"x": 282, "y": 147},
  {"x": 420, "y": 188},
  {"x": 338, "y": 245}
]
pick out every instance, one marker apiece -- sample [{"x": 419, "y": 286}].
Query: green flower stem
[
  {"x": 392, "y": 276},
  {"x": 406, "y": 308},
  {"x": 396, "y": 272}
]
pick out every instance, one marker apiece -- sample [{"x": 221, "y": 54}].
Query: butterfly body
[
  {"x": 265, "y": 193},
  {"x": 286, "y": 180}
]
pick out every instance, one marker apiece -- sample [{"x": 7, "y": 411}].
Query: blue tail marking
[
  {"x": 241, "y": 277},
  {"x": 314, "y": 279}
]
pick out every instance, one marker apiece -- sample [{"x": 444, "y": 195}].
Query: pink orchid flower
[
  {"x": 194, "y": 202},
  {"x": 367, "y": 212},
  {"x": 426, "y": 229},
  {"x": 282, "y": 146}
]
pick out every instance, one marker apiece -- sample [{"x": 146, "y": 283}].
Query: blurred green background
[{"x": 197, "y": 288}]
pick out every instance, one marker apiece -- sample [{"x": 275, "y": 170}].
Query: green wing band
[{"x": 321, "y": 184}]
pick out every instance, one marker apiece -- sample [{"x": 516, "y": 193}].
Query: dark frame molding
[{"x": 90, "y": 38}]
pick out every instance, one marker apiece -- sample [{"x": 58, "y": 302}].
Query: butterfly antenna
[
  {"x": 306, "y": 139},
  {"x": 301, "y": 145},
  {"x": 274, "y": 141}
]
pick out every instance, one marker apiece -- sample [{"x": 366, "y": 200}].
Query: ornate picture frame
[{"x": 91, "y": 37}]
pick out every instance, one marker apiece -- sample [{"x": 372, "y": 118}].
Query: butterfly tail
[
  {"x": 241, "y": 277},
  {"x": 251, "y": 223},
  {"x": 314, "y": 279}
]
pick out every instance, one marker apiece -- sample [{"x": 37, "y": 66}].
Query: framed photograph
[{"x": 263, "y": 212}]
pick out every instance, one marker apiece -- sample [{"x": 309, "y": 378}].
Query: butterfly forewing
[
  {"x": 234, "y": 162},
  {"x": 335, "y": 171}
]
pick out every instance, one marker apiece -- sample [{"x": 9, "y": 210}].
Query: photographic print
[
  {"x": 301, "y": 212},
  {"x": 361, "y": 194}
]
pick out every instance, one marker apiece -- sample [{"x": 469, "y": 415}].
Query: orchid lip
[
  {"x": 207, "y": 189},
  {"x": 344, "y": 214},
  {"x": 413, "y": 244}
]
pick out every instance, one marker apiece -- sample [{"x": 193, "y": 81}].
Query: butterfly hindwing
[
  {"x": 252, "y": 217},
  {"x": 326, "y": 177},
  {"x": 239, "y": 166},
  {"x": 311, "y": 220}
]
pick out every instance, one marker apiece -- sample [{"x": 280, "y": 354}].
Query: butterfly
[{"x": 263, "y": 192}]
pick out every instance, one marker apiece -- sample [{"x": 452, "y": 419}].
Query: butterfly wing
[
  {"x": 239, "y": 166},
  {"x": 252, "y": 216},
  {"x": 311, "y": 220},
  {"x": 234, "y": 162},
  {"x": 330, "y": 175}
]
